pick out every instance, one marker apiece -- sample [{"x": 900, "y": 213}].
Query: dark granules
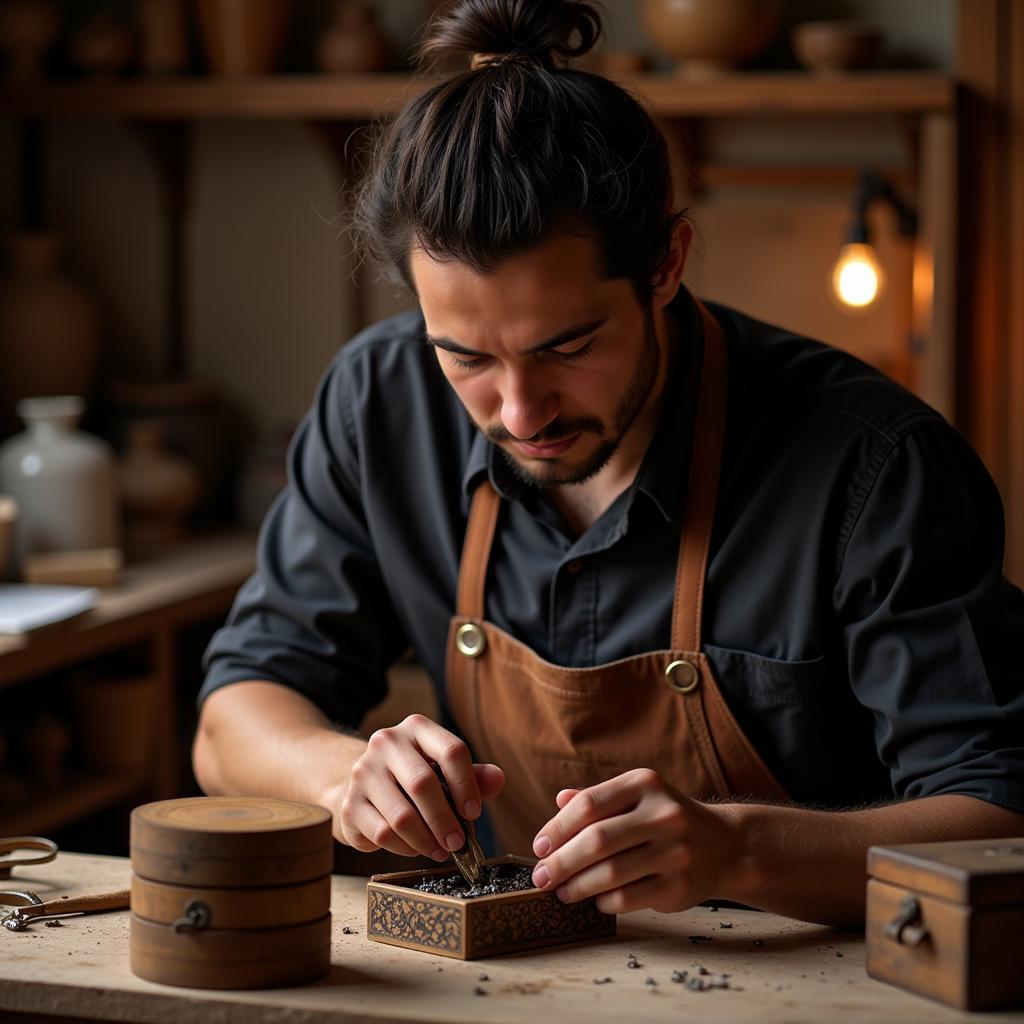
[
  {"x": 725, "y": 924},
  {"x": 499, "y": 878},
  {"x": 602, "y": 981},
  {"x": 758, "y": 942},
  {"x": 55, "y": 923},
  {"x": 632, "y": 962},
  {"x": 348, "y": 931},
  {"x": 698, "y": 983},
  {"x": 478, "y": 991},
  {"x": 699, "y": 939}
]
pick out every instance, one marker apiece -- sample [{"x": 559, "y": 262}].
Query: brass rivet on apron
[
  {"x": 470, "y": 640},
  {"x": 682, "y": 676}
]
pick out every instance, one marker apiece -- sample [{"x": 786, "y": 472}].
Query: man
[{"x": 713, "y": 607}]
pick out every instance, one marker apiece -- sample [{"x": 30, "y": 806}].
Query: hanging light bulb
[{"x": 857, "y": 277}]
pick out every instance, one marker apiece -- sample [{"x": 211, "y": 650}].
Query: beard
[{"x": 633, "y": 399}]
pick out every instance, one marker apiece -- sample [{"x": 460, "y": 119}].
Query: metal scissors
[{"x": 9, "y": 846}]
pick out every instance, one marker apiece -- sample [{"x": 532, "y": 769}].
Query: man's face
[{"x": 552, "y": 363}]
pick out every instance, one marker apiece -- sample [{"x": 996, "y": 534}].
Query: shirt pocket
[{"x": 802, "y": 718}]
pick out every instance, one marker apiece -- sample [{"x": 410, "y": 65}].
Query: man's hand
[
  {"x": 635, "y": 842},
  {"x": 392, "y": 800}
]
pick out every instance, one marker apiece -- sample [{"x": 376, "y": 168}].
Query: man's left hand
[{"x": 635, "y": 842}]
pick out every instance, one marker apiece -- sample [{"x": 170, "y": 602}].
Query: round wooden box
[{"x": 230, "y": 892}]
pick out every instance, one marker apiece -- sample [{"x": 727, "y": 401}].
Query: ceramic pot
[
  {"x": 115, "y": 719},
  {"x": 63, "y": 480},
  {"x": 28, "y": 28},
  {"x": 354, "y": 41},
  {"x": 710, "y": 36},
  {"x": 158, "y": 489},
  {"x": 163, "y": 37},
  {"x": 49, "y": 325},
  {"x": 196, "y": 426},
  {"x": 103, "y": 46},
  {"x": 243, "y": 37},
  {"x": 830, "y": 47}
]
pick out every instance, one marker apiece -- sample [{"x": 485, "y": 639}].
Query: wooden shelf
[
  {"x": 364, "y": 97},
  {"x": 47, "y": 809}
]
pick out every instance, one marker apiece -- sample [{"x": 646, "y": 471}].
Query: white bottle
[{"x": 64, "y": 480}]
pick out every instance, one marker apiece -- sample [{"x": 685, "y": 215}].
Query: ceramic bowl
[{"x": 835, "y": 46}]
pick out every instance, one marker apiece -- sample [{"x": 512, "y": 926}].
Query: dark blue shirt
[{"x": 856, "y": 615}]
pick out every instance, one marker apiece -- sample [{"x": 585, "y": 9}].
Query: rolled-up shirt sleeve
[
  {"x": 932, "y": 630},
  {"x": 315, "y": 615}
]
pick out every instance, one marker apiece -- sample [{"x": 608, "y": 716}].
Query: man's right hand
[{"x": 392, "y": 799}]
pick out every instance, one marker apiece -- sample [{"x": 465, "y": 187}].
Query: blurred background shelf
[
  {"x": 44, "y": 809},
  {"x": 367, "y": 96}
]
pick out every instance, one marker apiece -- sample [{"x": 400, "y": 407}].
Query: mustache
[{"x": 558, "y": 430}]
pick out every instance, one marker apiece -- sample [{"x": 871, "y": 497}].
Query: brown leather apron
[{"x": 551, "y": 727}]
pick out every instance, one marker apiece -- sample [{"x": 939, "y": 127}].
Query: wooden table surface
[{"x": 801, "y": 972}]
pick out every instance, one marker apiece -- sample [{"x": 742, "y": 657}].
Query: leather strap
[
  {"x": 476, "y": 551},
  {"x": 705, "y": 462}
]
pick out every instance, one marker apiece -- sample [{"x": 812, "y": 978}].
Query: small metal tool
[
  {"x": 470, "y": 859},
  {"x": 32, "y": 908}
]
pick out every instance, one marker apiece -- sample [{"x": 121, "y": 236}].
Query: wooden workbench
[{"x": 801, "y": 972}]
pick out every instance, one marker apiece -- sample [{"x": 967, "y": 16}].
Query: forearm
[
  {"x": 811, "y": 865},
  {"x": 262, "y": 739}
]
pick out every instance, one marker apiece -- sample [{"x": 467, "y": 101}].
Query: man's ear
[{"x": 670, "y": 275}]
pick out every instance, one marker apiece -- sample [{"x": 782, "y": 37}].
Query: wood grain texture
[{"x": 81, "y": 970}]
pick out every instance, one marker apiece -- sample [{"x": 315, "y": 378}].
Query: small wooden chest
[{"x": 946, "y": 920}]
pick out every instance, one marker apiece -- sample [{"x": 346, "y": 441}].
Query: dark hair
[{"x": 490, "y": 162}]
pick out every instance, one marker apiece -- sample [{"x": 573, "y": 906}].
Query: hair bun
[{"x": 487, "y": 31}]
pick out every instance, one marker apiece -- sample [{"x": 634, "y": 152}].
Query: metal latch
[
  {"x": 197, "y": 916},
  {"x": 906, "y": 927}
]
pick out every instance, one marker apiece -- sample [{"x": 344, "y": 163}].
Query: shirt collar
[{"x": 662, "y": 476}]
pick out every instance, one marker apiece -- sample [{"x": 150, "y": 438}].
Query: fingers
[
  {"x": 563, "y": 796},
  {"x": 364, "y": 829},
  {"x": 491, "y": 780},
  {"x": 395, "y": 801},
  {"x": 615, "y": 872},
  {"x": 586, "y": 806},
  {"x": 591, "y": 848}
]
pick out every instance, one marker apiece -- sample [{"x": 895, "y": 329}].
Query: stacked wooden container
[{"x": 230, "y": 892}]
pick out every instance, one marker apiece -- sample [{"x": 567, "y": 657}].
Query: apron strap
[
  {"x": 476, "y": 551},
  {"x": 705, "y": 461},
  {"x": 705, "y": 458}
]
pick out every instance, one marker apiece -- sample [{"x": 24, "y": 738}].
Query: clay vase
[
  {"x": 243, "y": 37},
  {"x": 158, "y": 489},
  {"x": 63, "y": 480},
  {"x": 163, "y": 35},
  {"x": 354, "y": 41},
  {"x": 49, "y": 326},
  {"x": 28, "y": 28},
  {"x": 710, "y": 36},
  {"x": 103, "y": 46}
]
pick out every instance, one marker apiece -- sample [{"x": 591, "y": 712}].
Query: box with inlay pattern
[{"x": 468, "y": 928}]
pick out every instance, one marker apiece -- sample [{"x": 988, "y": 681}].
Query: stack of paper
[{"x": 26, "y": 606}]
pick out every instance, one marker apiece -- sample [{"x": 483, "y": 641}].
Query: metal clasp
[
  {"x": 905, "y": 927},
  {"x": 197, "y": 916}
]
